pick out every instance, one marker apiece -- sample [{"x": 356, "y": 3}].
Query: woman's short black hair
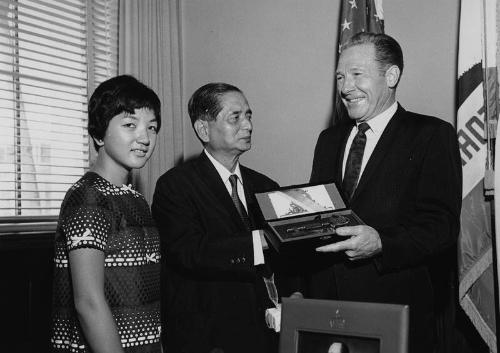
[{"x": 119, "y": 94}]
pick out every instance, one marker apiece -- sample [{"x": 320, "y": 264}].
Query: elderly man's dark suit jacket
[
  {"x": 212, "y": 296},
  {"x": 410, "y": 192}
]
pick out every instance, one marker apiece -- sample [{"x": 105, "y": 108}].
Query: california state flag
[{"x": 476, "y": 63}]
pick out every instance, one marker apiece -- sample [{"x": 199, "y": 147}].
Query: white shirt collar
[
  {"x": 379, "y": 122},
  {"x": 223, "y": 171}
]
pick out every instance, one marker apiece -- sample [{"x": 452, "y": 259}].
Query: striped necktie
[
  {"x": 233, "y": 179},
  {"x": 353, "y": 164}
]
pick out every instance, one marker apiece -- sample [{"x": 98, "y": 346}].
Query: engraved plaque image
[{"x": 304, "y": 200}]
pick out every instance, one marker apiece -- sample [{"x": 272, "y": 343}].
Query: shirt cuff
[{"x": 258, "y": 253}]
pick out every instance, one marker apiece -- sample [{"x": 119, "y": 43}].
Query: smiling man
[
  {"x": 401, "y": 173},
  {"x": 213, "y": 292}
]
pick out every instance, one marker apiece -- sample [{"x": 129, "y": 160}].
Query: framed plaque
[{"x": 329, "y": 326}]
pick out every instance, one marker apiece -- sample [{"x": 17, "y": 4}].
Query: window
[{"x": 52, "y": 54}]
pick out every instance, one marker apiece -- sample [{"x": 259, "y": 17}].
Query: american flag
[{"x": 360, "y": 16}]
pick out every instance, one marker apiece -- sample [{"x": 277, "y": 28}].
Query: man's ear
[
  {"x": 392, "y": 76},
  {"x": 201, "y": 128}
]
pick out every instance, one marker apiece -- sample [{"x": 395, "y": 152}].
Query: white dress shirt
[
  {"x": 258, "y": 253},
  {"x": 377, "y": 126}
]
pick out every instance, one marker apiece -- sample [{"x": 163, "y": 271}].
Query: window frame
[{"x": 43, "y": 224}]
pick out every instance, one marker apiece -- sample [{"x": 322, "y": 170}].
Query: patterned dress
[{"x": 117, "y": 221}]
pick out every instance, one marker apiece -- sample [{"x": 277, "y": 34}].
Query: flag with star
[
  {"x": 360, "y": 16},
  {"x": 477, "y": 99}
]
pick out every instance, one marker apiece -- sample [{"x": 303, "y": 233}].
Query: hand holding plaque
[{"x": 359, "y": 242}]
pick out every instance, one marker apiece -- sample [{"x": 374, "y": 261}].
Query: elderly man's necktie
[
  {"x": 233, "y": 179},
  {"x": 353, "y": 164}
]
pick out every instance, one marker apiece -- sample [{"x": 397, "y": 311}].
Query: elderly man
[
  {"x": 213, "y": 290},
  {"x": 401, "y": 173}
]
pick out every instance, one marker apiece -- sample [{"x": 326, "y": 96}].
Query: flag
[
  {"x": 476, "y": 65},
  {"x": 360, "y": 16}
]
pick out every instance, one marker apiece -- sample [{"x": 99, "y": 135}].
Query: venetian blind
[{"x": 52, "y": 55}]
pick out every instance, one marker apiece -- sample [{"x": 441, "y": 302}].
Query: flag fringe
[
  {"x": 472, "y": 275},
  {"x": 477, "y": 320}
]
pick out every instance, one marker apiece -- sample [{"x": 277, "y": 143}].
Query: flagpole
[{"x": 495, "y": 243}]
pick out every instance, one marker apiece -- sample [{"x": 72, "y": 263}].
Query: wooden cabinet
[{"x": 25, "y": 292}]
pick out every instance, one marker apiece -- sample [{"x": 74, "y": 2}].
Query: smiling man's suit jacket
[
  {"x": 410, "y": 192},
  {"x": 212, "y": 296}
]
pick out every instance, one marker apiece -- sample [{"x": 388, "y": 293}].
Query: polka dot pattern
[{"x": 115, "y": 220}]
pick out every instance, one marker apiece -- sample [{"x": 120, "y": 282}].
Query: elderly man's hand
[{"x": 361, "y": 242}]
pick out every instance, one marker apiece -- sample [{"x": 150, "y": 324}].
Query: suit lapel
[
  {"x": 379, "y": 153},
  {"x": 215, "y": 186},
  {"x": 340, "y": 156}
]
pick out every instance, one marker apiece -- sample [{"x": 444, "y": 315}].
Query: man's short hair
[
  {"x": 205, "y": 103},
  {"x": 388, "y": 52},
  {"x": 117, "y": 95}
]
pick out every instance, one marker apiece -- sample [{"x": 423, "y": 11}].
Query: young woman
[{"x": 107, "y": 250}]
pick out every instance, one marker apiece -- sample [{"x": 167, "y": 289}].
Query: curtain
[{"x": 149, "y": 41}]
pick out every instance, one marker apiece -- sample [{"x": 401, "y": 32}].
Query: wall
[
  {"x": 281, "y": 53},
  {"x": 428, "y": 33}
]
